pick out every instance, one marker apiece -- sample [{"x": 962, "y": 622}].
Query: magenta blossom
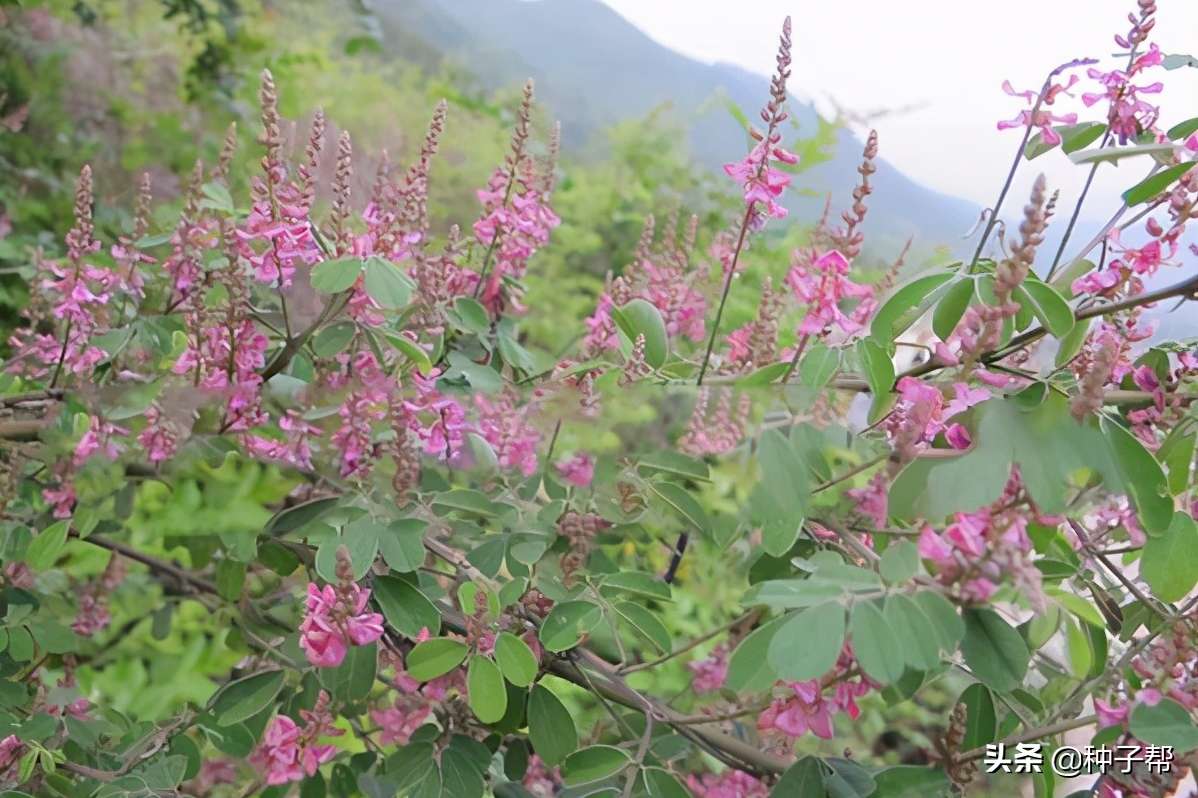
[
  {"x": 336, "y": 618},
  {"x": 1041, "y": 118},
  {"x": 762, "y": 183},
  {"x": 288, "y": 753},
  {"x": 821, "y": 284},
  {"x": 710, "y": 672},
  {"x": 579, "y": 470}
]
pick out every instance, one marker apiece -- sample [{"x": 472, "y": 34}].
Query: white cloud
[{"x": 948, "y": 57}]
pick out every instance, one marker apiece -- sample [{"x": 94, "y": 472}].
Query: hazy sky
[{"x": 948, "y": 57}]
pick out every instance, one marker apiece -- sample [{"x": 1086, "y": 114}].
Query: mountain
[{"x": 593, "y": 68}]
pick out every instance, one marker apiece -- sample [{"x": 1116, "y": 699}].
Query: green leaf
[
  {"x": 781, "y": 494},
  {"x": 1043, "y": 439},
  {"x": 516, "y": 660},
  {"x": 1115, "y": 154},
  {"x": 386, "y": 284},
  {"x": 749, "y": 670},
  {"x": 808, "y": 644},
  {"x": 550, "y": 726},
  {"x": 1167, "y": 723},
  {"x": 1145, "y": 480},
  {"x": 1183, "y": 130},
  {"x": 1170, "y": 561},
  {"x": 646, "y": 624},
  {"x": 1072, "y": 343},
  {"x": 412, "y": 351},
  {"x": 244, "y": 698},
  {"x": 637, "y": 583},
  {"x": 472, "y": 315},
  {"x": 879, "y": 374},
  {"x": 952, "y": 306},
  {"x": 300, "y": 515},
  {"x": 945, "y": 623},
  {"x": 354, "y": 677},
  {"x": 402, "y": 544},
  {"x": 218, "y": 197},
  {"x": 994, "y": 651},
  {"x": 1077, "y": 605},
  {"x": 485, "y": 690},
  {"x": 1050, "y": 307},
  {"x": 764, "y": 375},
  {"x": 639, "y": 317},
  {"x": 460, "y": 776},
  {"x": 1156, "y": 184},
  {"x": 1080, "y": 136},
  {"x": 1177, "y": 455},
  {"x": 42, "y": 551},
  {"x": 981, "y": 721},
  {"x": 361, "y": 540},
  {"x": 818, "y": 365},
  {"x": 1179, "y": 60},
  {"x": 683, "y": 504},
  {"x": 803, "y": 779},
  {"x": 335, "y": 276},
  {"x": 230, "y": 579},
  {"x": 919, "y": 642},
  {"x": 900, "y": 562},
  {"x": 406, "y": 609},
  {"x": 334, "y": 338},
  {"x": 660, "y": 783},
  {"x": 900, "y": 310},
  {"x": 878, "y": 650},
  {"x": 567, "y": 623},
  {"x": 675, "y": 464},
  {"x": 594, "y": 763},
  {"x": 910, "y": 781},
  {"x": 435, "y": 657}
]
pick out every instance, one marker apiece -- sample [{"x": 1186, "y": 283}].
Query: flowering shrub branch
[{"x": 474, "y": 574}]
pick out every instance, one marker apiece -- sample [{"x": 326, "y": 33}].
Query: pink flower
[
  {"x": 11, "y": 748},
  {"x": 516, "y": 222},
  {"x": 821, "y": 285},
  {"x": 958, "y": 437},
  {"x": 728, "y": 784},
  {"x": 964, "y": 398},
  {"x": 400, "y": 721},
  {"x": 933, "y": 548},
  {"x": 1127, "y": 114},
  {"x": 99, "y": 438},
  {"x": 288, "y": 753},
  {"x": 92, "y": 615},
  {"x": 873, "y": 500},
  {"x": 968, "y": 534},
  {"x": 62, "y": 498},
  {"x": 805, "y": 711},
  {"x": 539, "y": 780},
  {"x": 335, "y": 618},
  {"x": 1042, "y": 119},
  {"x": 1109, "y": 715},
  {"x": 509, "y": 431},
  {"x": 579, "y": 470},
  {"x": 762, "y": 183},
  {"x": 711, "y": 672}
]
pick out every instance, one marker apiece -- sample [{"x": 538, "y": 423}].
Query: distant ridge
[{"x": 593, "y": 68}]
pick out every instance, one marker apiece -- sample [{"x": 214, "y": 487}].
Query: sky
[{"x": 939, "y": 66}]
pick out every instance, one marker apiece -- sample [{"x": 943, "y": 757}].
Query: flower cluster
[
  {"x": 288, "y": 752},
  {"x": 978, "y": 550},
  {"x": 336, "y": 617},
  {"x": 805, "y": 706},
  {"x": 660, "y": 274}
]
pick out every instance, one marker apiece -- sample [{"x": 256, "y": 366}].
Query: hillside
[{"x": 594, "y": 68}]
